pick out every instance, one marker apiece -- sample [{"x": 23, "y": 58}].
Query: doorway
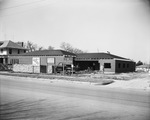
[{"x": 1, "y": 60}]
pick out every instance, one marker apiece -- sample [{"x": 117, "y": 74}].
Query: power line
[
  {"x": 21, "y": 5},
  {"x": 29, "y": 9}
]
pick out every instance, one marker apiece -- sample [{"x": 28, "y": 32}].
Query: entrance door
[
  {"x": 1, "y": 60},
  {"x": 43, "y": 68}
]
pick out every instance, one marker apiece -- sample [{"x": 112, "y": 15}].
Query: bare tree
[
  {"x": 66, "y": 47},
  {"x": 40, "y": 48},
  {"x": 50, "y": 48},
  {"x": 76, "y": 50},
  {"x": 32, "y": 47},
  {"x": 69, "y": 48}
]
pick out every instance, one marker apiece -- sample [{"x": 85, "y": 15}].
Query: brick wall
[
  {"x": 125, "y": 66},
  {"x": 43, "y": 59}
]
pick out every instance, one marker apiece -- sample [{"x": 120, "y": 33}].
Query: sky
[{"x": 121, "y": 27}]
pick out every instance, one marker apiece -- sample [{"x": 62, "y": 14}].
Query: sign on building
[
  {"x": 36, "y": 61},
  {"x": 50, "y": 60},
  {"x": 68, "y": 60}
]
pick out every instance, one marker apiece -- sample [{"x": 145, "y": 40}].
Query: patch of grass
[
  {"x": 92, "y": 78},
  {"x": 121, "y": 76}
]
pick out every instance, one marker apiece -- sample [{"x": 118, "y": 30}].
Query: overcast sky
[{"x": 121, "y": 27}]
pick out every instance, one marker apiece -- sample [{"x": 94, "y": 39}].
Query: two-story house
[{"x": 10, "y": 48}]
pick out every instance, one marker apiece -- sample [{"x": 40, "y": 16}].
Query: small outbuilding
[
  {"x": 104, "y": 62},
  {"x": 144, "y": 68}
]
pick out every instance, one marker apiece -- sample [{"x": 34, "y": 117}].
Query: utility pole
[{"x": 149, "y": 66}]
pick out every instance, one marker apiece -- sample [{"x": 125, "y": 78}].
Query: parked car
[{"x": 67, "y": 69}]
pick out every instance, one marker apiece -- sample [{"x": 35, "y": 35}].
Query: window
[
  {"x": 51, "y": 60},
  {"x": 107, "y": 65},
  {"x": 10, "y": 51},
  {"x": 1, "y": 50},
  {"x": 18, "y": 51},
  {"x": 14, "y": 61},
  {"x": 119, "y": 65},
  {"x": 123, "y": 65},
  {"x": 127, "y": 65}
]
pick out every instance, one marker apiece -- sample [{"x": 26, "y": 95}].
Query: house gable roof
[
  {"x": 97, "y": 56},
  {"x": 48, "y": 53},
  {"x": 10, "y": 44}
]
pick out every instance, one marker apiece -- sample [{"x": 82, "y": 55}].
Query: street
[{"x": 27, "y": 98}]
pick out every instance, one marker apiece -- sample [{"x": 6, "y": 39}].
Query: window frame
[
  {"x": 14, "y": 61},
  {"x": 18, "y": 51},
  {"x": 128, "y": 65},
  {"x": 124, "y": 65},
  {"x": 2, "y": 50},
  {"x": 107, "y": 65},
  {"x": 10, "y": 51},
  {"x": 119, "y": 65}
]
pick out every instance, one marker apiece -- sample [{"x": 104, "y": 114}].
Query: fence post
[
  {"x": 33, "y": 69},
  {"x": 63, "y": 69}
]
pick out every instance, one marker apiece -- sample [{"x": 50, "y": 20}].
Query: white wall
[{"x": 4, "y": 52}]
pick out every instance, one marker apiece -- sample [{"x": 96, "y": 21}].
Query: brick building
[
  {"x": 44, "y": 61},
  {"x": 109, "y": 62}
]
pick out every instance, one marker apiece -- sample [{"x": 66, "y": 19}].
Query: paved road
[
  {"x": 53, "y": 101},
  {"x": 137, "y": 98}
]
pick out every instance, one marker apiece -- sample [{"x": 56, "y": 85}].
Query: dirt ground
[{"x": 135, "y": 80}]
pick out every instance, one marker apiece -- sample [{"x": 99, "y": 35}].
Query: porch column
[{"x": 4, "y": 61}]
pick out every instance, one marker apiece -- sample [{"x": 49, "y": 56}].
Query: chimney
[{"x": 108, "y": 52}]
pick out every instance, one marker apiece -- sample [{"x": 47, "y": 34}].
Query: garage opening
[
  {"x": 87, "y": 65},
  {"x": 43, "y": 69},
  {"x": 1, "y": 60}
]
